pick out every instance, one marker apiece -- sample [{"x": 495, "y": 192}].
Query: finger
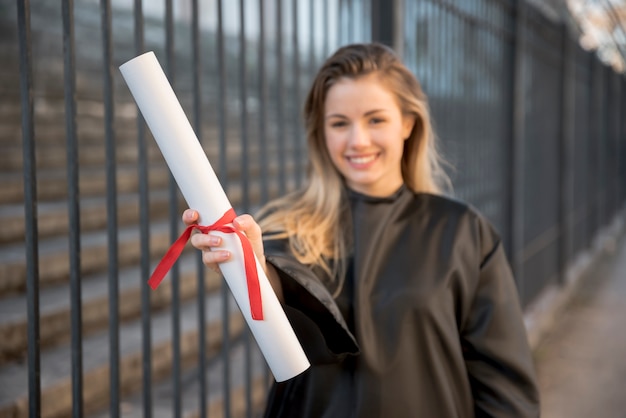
[
  {"x": 248, "y": 225},
  {"x": 212, "y": 258},
  {"x": 205, "y": 242},
  {"x": 190, "y": 216}
]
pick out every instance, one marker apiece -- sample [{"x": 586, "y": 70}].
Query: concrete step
[
  {"x": 51, "y": 156},
  {"x": 55, "y": 313},
  {"x": 52, "y": 217},
  {"x": 50, "y": 126},
  {"x": 56, "y": 363},
  {"x": 52, "y": 184},
  {"x": 54, "y": 156},
  {"x": 163, "y": 393},
  {"x": 54, "y": 259},
  {"x": 53, "y": 252}
]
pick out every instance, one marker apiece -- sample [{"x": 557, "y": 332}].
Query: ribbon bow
[{"x": 222, "y": 225}]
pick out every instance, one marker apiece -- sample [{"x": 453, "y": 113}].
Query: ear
[{"x": 408, "y": 122}]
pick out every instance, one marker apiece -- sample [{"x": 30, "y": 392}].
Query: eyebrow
[{"x": 368, "y": 113}]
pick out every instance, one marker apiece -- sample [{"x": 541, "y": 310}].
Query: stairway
[{"x": 53, "y": 230}]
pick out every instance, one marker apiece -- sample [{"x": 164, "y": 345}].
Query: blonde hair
[{"x": 311, "y": 218}]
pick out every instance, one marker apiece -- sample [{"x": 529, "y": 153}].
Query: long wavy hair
[{"x": 311, "y": 218}]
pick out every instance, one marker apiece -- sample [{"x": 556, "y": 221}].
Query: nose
[{"x": 359, "y": 136}]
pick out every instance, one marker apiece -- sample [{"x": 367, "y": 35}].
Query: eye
[
  {"x": 338, "y": 124},
  {"x": 376, "y": 120}
]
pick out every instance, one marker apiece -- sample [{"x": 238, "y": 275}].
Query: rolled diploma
[{"x": 202, "y": 191}]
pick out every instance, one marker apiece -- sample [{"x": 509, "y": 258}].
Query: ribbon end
[{"x": 153, "y": 283}]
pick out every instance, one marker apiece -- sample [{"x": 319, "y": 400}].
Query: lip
[{"x": 362, "y": 160}]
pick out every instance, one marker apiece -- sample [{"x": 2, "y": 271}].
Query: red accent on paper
[{"x": 222, "y": 225}]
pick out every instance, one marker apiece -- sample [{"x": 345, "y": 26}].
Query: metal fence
[{"x": 532, "y": 124}]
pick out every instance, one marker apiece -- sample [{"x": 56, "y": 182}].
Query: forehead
[{"x": 361, "y": 92}]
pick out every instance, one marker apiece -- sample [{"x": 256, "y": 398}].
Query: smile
[{"x": 362, "y": 159}]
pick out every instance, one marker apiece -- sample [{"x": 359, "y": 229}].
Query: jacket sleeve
[{"x": 495, "y": 344}]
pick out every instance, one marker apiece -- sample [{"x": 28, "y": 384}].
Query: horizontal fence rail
[{"x": 531, "y": 124}]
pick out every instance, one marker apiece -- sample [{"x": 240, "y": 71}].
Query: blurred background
[{"x": 528, "y": 99}]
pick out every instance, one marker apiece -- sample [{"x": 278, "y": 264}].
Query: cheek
[{"x": 333, "y": 145}]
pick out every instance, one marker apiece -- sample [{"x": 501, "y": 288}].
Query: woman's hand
[{"x": 212, "y": 254}]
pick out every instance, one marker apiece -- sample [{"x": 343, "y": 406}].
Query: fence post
[
  {"x": 30, "y": 208},
  {"x": 387, "y": 24},
  {"x": 622, "y": 141},
  {"x": 566, "y": 145},
  {"x": 518, "y": 93},
  {"x": 73, "y": 194}
]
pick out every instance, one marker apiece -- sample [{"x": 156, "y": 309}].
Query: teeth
[{"x": 362, "y": 160}]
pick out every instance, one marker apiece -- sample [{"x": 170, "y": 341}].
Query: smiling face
[{"x": 365, "y": 132}]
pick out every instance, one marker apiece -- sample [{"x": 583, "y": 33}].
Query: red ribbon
[{"x": 222, "y": 225}]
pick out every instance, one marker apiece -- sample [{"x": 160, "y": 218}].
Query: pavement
[{"x": 581, "y": 358}]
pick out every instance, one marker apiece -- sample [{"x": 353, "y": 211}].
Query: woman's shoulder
[
  {"x": 452, "y": 210},
  {"x": 444, "y": 205}
]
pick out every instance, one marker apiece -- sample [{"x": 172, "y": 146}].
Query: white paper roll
[{"x": 202, "y": 191}]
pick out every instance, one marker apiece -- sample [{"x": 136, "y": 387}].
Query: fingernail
[
  {"x": 223, "y": 255},
  {"x": 214, "y": 240}
]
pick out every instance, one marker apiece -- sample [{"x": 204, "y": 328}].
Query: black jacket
[{"x": 428, "y": 323}]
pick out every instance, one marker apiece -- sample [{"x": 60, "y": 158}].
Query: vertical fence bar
[
  {"x": 200, "y": 269},
  {"x": 448, "y": 55},
  {"x": 518, "y": 131},
  {"x": 601, "y": 115},
  {"x": 561, "y": 159},
  {"x": 435, "y": 86},
  {"x": 280, "y": 97},
  {"x": 243, "y": 98},
  {"x": 173, "y": 227},
  {"x": 326, "y": 19},
  {"x": 593, "y": 149},
  {"x": 349, "y": 12},
  {"x": 455, "y": 64},
  {"x": 382, "y": 21},
  {"x": 297, "y": 139},
  {"x": 616, "y": 143},
  {"x": 622, "y": 140},
  {"x": 567, "y": 144},
  {"x": 615, "y": 147},
  {"x": 481, "y": 29},
  {"x": 610, "y": 162},
  {"x": 223, "y": 112},
  {"x": 73, "y": 206},
  {"x": 487, "y": 182},
  {"x": 589, "y": 133},
  {"x": 312, "y": 34},
  {"x": 263, "y": 105},
  {"x": 30, "y": 208},
  {"x": 245, "y": 184},
  {"x": 222, "y": 105},
  {"x": 144, "y": 231},
  {"x": 111, "y": 180}
]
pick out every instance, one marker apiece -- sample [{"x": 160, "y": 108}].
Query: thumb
[{"x": 246, "y": 224}]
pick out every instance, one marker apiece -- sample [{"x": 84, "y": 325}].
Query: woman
[{"x": 402, "y": 298}]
